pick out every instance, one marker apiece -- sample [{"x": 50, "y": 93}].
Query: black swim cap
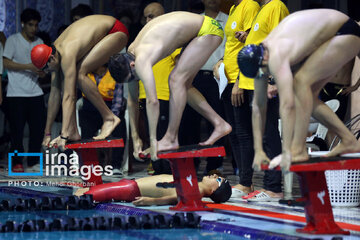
[
  {"x": 223, "y": 193},
  {"x": 119, "y": 67},
  {"x": 250, "y": 59}
]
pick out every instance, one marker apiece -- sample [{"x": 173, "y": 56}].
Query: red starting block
[
  {"x": 86, "y": 149},
  {"x": 185, "y": 177},
  {"x": 318, "y": 210}
]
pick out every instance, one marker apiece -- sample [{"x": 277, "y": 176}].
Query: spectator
[
  {"x": 237, "y": 100},
  {"x": 269, "y": 16},
  {"x": 24, "y": 95},
  {"x": 206, "y": 84},
  {"x": 80, "y": 11},
  {"x": 90, "y": 120}
]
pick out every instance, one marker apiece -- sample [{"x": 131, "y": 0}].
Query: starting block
[
  {"x": 318, "y": 210},
  {"x": 185, "y": 177},
  {"x": 86, "y": 149}
]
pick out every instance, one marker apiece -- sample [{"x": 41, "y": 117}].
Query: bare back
[
  {"x": 162, "y": 35},
  {"x": 83, "y": 35},
  {"x": 147, "y": 186},
  {"x": 299, "y": 34}
]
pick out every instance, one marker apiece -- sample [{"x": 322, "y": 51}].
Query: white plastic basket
[{"x": 344, "y": 187}]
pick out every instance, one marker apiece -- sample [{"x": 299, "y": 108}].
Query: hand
[
  {"x": 46, "y": 141},
  {"x": 348, "y": 90},
  {"x": 272, "y": 91},
  {"x": 143, "y": 201},
  {"x": 237, "y": 96},
  {"x": 41, "y": 74},
  {"x": 216, "y": 69},
  {"x": 260, "y": 158},
  {"x": 59, "y": 143},
  {"x": 241, "y": 36},
  {"x": 138, "y": 144},
  {"x": 153, "y": 149}
]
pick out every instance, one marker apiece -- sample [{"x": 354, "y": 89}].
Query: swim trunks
[
  {"x": 123, "y": 190},
  {"x": 119, "y": 27},
  {"x": 349, "y": 28},
  {"x": 211, "y": 27}
]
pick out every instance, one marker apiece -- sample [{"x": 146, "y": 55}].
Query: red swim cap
[{"x": 40, "y": 55}]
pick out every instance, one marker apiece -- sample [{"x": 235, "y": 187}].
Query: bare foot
[
  {"x": 246, "y": 190},
  {"x": 166, "y": 145},
  {"x": 301, "y": 157},
  {"x": 81, "y": 191},
  {"x": 344, "y": 147},
  {"x": 108, "y": 127},
  {"x": 74, "y": 136},
  {"x": 221, "y": 129}
]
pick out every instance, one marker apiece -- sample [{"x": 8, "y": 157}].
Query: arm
[
  {"x": 148, "y": 201},
  {"x": 133, "y": 108},
  {"x": 284, "y": 81},
  {"x": 14, "y": 66},
  {"x": 152, "y": 103},
  {"x": 53, "y": 106},
  {"x": 68, "y": 66},
  {"x": 118, "y": 99},
  {"x": 258, "y": 120}
]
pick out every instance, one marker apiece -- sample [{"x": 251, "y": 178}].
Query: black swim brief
[{"x": 349, "y": 28}]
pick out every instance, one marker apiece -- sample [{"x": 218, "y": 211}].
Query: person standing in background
[
  {"x": 237, "y": 100},
  {"x": 269, "y": 16},
  {"x": 24, "y": 95}
]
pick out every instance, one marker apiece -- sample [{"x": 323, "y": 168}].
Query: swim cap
[
  {"x": 40, "y": 55},
  {"x": 250, "y": 59},
  {"x": 223, "y": 193},
  {"x": 119, "y": 67}
]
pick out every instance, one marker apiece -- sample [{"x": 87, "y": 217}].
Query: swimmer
[
  {"x": 200, "y": 36},
  {"x": 83, "y": 47},
  {"x": 144, "y": 192},
  {"x": 302, "y": 57}
]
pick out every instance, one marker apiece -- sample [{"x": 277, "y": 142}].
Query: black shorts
[{"x": 349, "y": 28}]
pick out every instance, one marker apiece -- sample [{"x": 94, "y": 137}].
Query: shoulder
[
  {"x": 277, "y": 5},
  {"x": 251, "y": 4},
  {"x": 13, "y": 37}
]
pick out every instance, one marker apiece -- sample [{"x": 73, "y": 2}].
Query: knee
[{"x": 176, "y": 80}]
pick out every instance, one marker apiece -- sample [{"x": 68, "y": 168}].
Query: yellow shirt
[
  {"x": 267, "y": 19},
  {"x": 106, "y": 85},
  {"x": 240, "y": 19},
  {"x": 161, "y": 70}
]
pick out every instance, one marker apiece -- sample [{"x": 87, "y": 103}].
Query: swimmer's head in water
[
  {"x": 250, "y": 59},
  {"x": 120, "y": 69},
  {"x": 223, "y": 193}
]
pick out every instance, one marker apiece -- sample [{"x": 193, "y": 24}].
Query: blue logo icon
[{"x": 16, "y": 154}]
